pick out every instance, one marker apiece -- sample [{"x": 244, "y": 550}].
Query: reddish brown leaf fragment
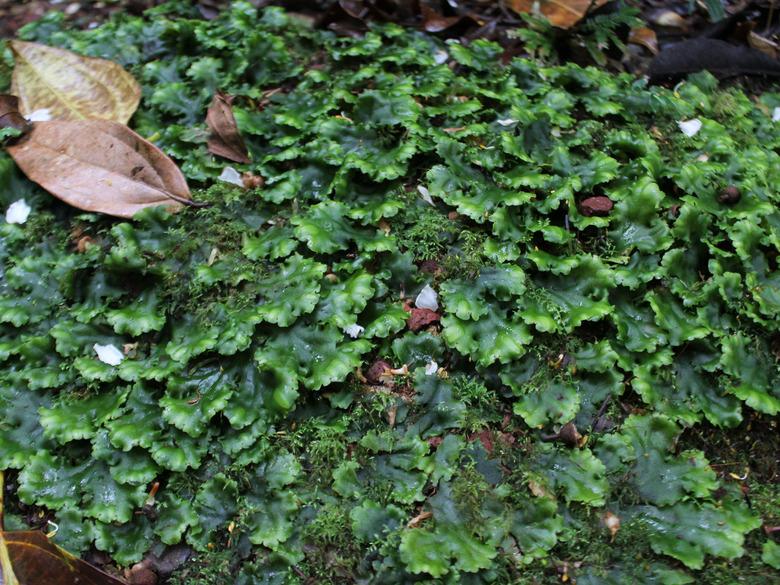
[
  {"x": 598, "y": 205},
  {"x": 10, "y": 117},
  {"x": 420, "y": 318},
  {"x": 102, "y": 166},
  {"x": 225, "y": 139},
  {"x": 377, "y": 370},
  {"x": 485, "y": 437}
]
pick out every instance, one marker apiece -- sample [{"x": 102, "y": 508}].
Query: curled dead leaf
[
  {"x": 225, "y": 139},
  {"x": 537, "y": 489},
  {"x": 569, "y": 435},
  {"x": 71, "y": 86},
  {"x": 417, "y": 520},
  {"x": 377, "y": 371},
  {"x": 102, "y": 166},
  {"x": 10, "y": 117},
  {"x": 645, "y": 37},
  {"x": 763, "y": 44},
  {"x": 668, "y": 18}
]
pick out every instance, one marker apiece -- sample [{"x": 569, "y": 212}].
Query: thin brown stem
[{"x": 2, "y": 493}]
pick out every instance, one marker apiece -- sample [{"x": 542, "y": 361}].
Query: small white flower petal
[
  {"x": 18, "y": 212},
  {"x": 354, "y": 330},
  {"x": 690, "y": 127},
  {"x": 231, "y": 175},
  {"x": 42, "y": 115},
  {"x": 431, "y": 368},
  {"x": 427, "y": 299},
  {"x": 776, "y": 114},
  {"x": 506, "y": 121},
  {"x": 108, "y": 354},
  {"x": 440, "y": 56},
  {"x": 425, "y": 194}
]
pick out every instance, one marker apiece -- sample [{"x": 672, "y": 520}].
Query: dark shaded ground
[{"x": 754, "y": 23}]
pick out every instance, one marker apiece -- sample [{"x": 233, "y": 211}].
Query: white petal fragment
[
  {"x": 42, "y": 115},
  {"x": 108, "y": 354},
  {"x": 776, "y": 114},
  {"x": 440, "y": 56},
  {"x": 354, "y": 330},
  {"x": 690, "y": 127},
  {"x": 506, "y": 121},
  {"x": 427, "y": 299},
  {"x": 431, "y": 368},
  {"x": 18, "y": 212},
  {"x": 425, "y": 194},
  {"x": 231, "y": 175}
]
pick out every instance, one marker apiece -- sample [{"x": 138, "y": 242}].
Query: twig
[
  {"x": 601, "y": 411},
  {"x": 2, "y": 493}
]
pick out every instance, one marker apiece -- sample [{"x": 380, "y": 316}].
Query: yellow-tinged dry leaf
[
  {"x": 560, "y": 13},
  {"x": 102, "y": 166},
  {"x": 70, "y": 86}
]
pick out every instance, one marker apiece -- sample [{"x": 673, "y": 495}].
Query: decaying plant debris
[{"x": 250, "y": 377}]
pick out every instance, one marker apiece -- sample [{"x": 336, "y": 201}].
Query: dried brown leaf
[
  {"x": 763, "y": 44},
  {"x": 669, "y": 18},
  {"x": 29, "y": 558},
  {"x": 225, "y": 139},
  {"x": 420, "y": 318},
  {"x": 560, "y": 13},
  {"x": 70, "y": 86},
  {"x": 645, "y": 37},
  {"x": 417, "y": 520},
  {"x": 102, "y": 166}
]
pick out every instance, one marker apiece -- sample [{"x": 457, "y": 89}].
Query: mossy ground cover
[{"x": 248, "y": 325}]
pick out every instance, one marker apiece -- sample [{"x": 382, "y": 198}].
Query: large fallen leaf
[
  {"x": 560, "y": 13},
  {"x": 29, "y": 558},
  {"x": 70, "y": 86},
  {"x": 103, "y": 166},
  {"x": 225, "y": 139}
]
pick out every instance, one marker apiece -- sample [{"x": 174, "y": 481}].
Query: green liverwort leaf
[{"x": 688, "y": 531}]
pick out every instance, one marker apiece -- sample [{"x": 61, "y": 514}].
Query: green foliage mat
[{"x": 239, "y": 392}]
